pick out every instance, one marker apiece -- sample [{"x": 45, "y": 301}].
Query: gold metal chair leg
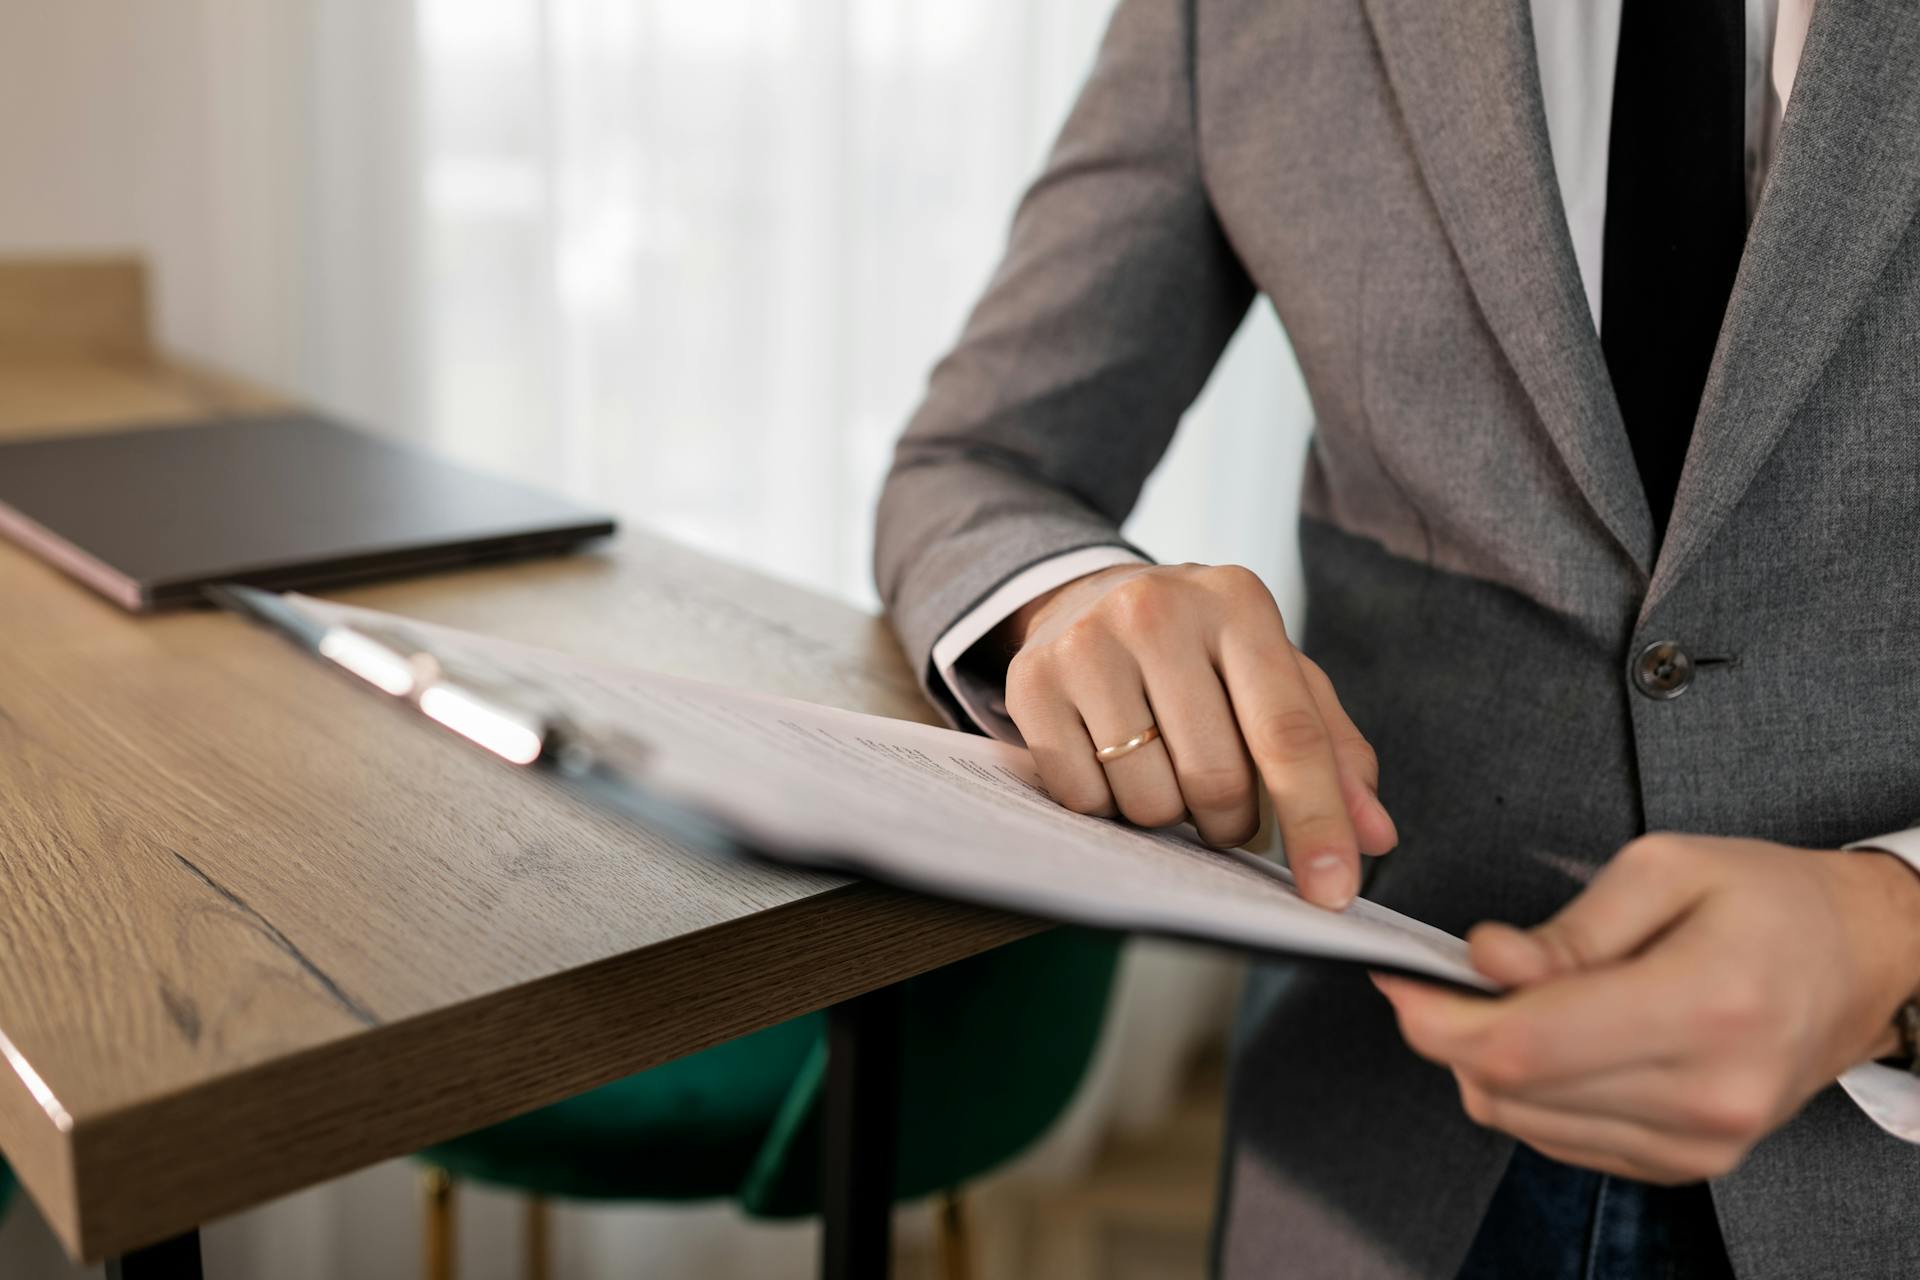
[
  {"x": 436, "y": 1185},
  {"x": 956, "y": 1242},
  {"x": 536, "y": 1239}
]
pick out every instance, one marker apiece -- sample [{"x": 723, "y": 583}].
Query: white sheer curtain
[
  {"x": 693, "y": 258},
  {"x": 690, "y": 259}
]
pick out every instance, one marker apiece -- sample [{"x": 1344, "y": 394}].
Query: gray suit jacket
[{"x": 1479, "y": 554}]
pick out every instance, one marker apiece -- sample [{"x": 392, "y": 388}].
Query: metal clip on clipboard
[
  {"x": 596, "y": 765},
  {"x": 863, "y": 1059}
]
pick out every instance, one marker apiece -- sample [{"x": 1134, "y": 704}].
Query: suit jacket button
[{"x": 1662, "y": 670}]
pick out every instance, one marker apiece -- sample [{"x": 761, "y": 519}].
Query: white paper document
[{"x": 931, "y": 809}]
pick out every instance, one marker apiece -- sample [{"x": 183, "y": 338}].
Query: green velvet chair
[{"x": 993, "y": 1048}]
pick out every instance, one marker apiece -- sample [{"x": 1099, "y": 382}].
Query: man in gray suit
[{"x": 1610, "y": 313}]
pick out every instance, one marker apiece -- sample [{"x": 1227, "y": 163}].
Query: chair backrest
[{"x": 993, "y": 1049}]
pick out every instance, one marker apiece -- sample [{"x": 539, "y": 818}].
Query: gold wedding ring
[{"x": 1107, "y": 755}]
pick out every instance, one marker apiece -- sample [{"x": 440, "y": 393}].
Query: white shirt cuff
[
  {"x": 986, "y": 704},
  {"x": 1904, "y": 845},
  {"x": 1889, "y": 1096}
]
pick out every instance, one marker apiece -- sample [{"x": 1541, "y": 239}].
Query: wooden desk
[{"x": 258, "y": 929}]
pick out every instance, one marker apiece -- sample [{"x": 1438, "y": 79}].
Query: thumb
[
  {"x": 1511, "y": 957},
  {"x": 1650, "y": 883}
]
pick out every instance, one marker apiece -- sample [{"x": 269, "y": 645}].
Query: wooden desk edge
[{"x": 150, "y": 1171}]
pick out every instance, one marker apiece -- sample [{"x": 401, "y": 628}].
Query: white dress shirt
[{"x": 1577, "y": 42}]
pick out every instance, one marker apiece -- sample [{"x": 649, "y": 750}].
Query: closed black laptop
[{"x": 148, "y": 516}]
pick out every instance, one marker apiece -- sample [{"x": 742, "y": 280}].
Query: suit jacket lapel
[
  {"x": 1466, "y": 75},
  {"x": 1842, "y": 191}
]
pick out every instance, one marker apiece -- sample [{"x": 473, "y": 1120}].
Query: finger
[
  {"x": 1647, "y": 887},
  {"x": 1663, "y": 1155},
  {"x": 1290, "y": 746},
  {"x": 1359, "y": 766},
  {"x": 1619, "y": 1016},
  {"x": 1597, "y": 1161},
  {"x": 1114, "y": 707},
  {"x": 1664, "y": 1096},
  {"x": 1598, "y": 1134},
  {"x": 1511, "y": 957},
  {"x": 1434, "y": 1021},
  {"x": 1057, "y": 739},
  {"x": 1210, "y": 763}
]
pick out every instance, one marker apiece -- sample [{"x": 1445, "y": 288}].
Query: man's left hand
[{"x": 1684, "y": 1006}]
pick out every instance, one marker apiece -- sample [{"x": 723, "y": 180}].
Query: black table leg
[
  {"x": 861, "y": 1124},
  {"x": 175, "y": 1259}
]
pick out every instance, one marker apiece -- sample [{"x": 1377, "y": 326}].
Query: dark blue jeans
[{"x": 1550, "y": 1221}]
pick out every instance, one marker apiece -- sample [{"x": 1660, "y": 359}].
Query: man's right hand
[{"x": 1199, "y": 651}]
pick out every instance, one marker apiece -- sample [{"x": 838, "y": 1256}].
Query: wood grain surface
[
  {"x": 258, "y": 928},
  {"x": 74, "y": 307}
]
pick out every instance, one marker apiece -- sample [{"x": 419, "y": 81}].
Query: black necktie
[{"x": 1676, "y": 220}]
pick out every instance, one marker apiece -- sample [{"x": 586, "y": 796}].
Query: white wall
[
  {"x": 221, "y": 140},
  {"x": 65, "y": 103}
]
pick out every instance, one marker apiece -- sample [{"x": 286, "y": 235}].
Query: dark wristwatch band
[{"x": 1906, "y": 1021}]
